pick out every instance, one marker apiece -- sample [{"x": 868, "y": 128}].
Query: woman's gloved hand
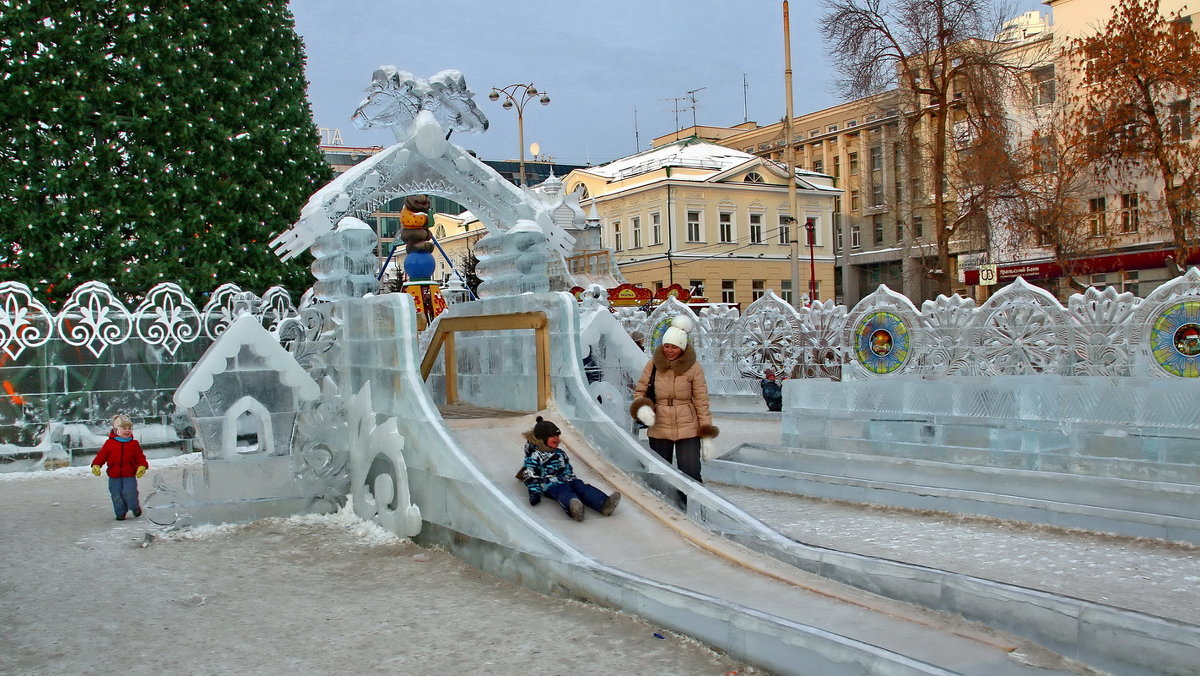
[{"x": 646, "y": 415}]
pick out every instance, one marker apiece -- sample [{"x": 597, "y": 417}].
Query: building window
[
  {"x": 837, "y": 241},
  {"x": 837, "y": 166},
  {"x": 876, "y": 158},
  {"x": 696, "y": 287},
  {"x": 877, "y": 193},
  {"x": 852, "y": 158},
  {"x": 1129, "y": 212},
  {"x": 725, "y": 227},
  {"x": 855, "y": 201},
  {"x": 656, "y": 228},
  {"x": 727, "y": 292},
  {"x": 758, "y": 287},
  {"x": 816, "y": 289},
  {"x": 785, "y": 229},
  {"x": 899, "y": 232},
  {"x": 1179, "y": 123},
  {"x": 754, "y": 177},
  {"x": 1096, "y": 209},
  {"x": 635, "y": 227},
  {"x": 1043, "y": 86},
  {"x": 918, "y": 227},
  {"x": 756, "y": 234},
  {"x": 831, "y": 128},
  {"x": 818, "y": 166},
  {"x": 855, "y": 237},
  {"x": 785, "y": 290},
  {"x": 616, "y": 235},
  {"x": 877, "y": 226},
  {"x": 693, "y": 226}
]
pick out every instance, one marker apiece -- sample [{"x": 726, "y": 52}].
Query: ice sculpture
[
  {"x": 344, "y": 262},
  {"x": 524, "y": 241},
  {"x": 244, "y": 397}
]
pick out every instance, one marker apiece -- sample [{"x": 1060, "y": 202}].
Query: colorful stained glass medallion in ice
[
  {"x": 881, "y": 342},
  {"x": 1175, "y": 339}
]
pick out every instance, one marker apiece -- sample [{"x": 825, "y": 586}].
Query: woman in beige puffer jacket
[{"x": 678, "y": 416}]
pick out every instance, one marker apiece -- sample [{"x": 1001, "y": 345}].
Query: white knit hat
[{"x": 677, "y": 334}]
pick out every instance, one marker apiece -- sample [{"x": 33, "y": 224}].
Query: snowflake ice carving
[
  {"x": 821, "y": 325},
  {"x": 945, "y": 347},
  {"x": 1022, "y": 330},
  {"x": 167, "y": 318},
  {"x": 93, "y": 318},
  {"x": 717, "y": 324},
  {"x": 1103, "y": 323},
  {"x": 24, "y": 322},
  {"x": 768, "y": 337}
]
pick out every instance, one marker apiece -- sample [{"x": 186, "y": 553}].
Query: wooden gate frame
[{"x": 443, "y": 335}]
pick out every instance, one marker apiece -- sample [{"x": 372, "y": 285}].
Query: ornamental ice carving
[
  {"x": 93, "y": 318},
  {"x": 1102, "y": 320},
  {"x": 768, "y": 337},
  {"x": 1022, "y": 330},
  {"x": 24, "y": 322},
  {"x": 167, "y": 318}
]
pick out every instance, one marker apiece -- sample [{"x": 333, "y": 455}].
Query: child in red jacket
[{"x": 126, "y": 464}]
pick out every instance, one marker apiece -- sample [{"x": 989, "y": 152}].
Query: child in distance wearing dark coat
[{"x": 547, "y": 471}]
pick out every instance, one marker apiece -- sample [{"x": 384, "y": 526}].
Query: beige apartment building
[
  {"x": 713, "y": 219},
  {"x": 882, "y": 222}
]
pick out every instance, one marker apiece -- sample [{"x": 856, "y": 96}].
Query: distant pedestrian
[
  {"x": 772, "y": 391},
  {"x": 126, "y": 464},
  {"x": 547, "y": 471}
]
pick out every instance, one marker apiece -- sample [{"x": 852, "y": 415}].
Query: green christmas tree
[{"x": 152, "y": 142}]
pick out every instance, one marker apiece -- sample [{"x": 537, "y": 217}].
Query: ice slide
[{"x": 649, "y": 558}]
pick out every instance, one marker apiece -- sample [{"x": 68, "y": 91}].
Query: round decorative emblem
[
  {"x": 881, "y": 342},
  {"x": 1175, "y": 339}
]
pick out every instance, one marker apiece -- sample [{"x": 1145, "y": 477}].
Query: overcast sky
[{"x": 599, "y": 60}]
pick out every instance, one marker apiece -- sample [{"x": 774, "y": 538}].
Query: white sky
[{"x": 598, "y": 60}]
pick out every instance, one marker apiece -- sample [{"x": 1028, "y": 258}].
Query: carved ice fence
[
  {"x": 1021, "y": 330},
  {"x": 63, "y": 374}
]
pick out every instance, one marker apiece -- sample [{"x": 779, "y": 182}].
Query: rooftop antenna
[
  {"x": 692, "y": 97},
  {"x": 637, "y": 140},
  {"x": 675, "y": 108},
  {"x": 745, "y": 99}
]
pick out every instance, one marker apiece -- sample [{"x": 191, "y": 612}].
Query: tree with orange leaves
[{"x": 1132, "y": 114}]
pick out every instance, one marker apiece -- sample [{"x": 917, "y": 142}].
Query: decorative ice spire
[{"x": 395, "y": 97}]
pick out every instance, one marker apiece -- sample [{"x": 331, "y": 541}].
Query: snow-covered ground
[
  {"x": 85, "y": 594},
  {"x": 82, "y": 593}
]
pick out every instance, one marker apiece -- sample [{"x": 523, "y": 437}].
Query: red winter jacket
[{"x": 123, "y": 457}]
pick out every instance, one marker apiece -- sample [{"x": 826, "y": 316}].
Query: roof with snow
[
  {"x": 711, "y": 161},
  {"x": 245, "y": 331}
]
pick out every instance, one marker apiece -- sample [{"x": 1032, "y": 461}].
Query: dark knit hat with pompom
[{"x": 544, "y": 429}]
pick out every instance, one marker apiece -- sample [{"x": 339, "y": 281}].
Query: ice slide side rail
[{"x": 464, "y": 511}]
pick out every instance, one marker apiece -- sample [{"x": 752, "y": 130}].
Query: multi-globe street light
[{"x": 516, "y": 96}]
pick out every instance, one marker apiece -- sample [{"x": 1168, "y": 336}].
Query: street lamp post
[
  {"x": 516, "y": 96},
  {"x": 810, "y": 226}
]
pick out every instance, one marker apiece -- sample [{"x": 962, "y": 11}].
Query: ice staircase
[{"x": 1151, "y": 509}]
